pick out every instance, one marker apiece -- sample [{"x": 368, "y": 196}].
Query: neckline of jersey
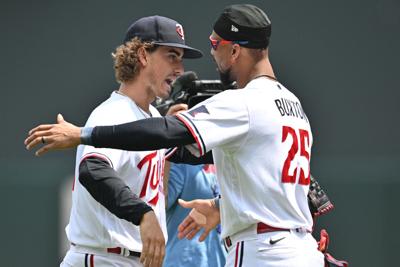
[
  {"x": 265, "y": 75},
  {"x": 144, "y": 113}
]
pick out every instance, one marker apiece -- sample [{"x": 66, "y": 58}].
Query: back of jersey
[
  {"x": 277, "y": 151},
  {"x": 273, "y": 162},
  {"x": 261, "y": 141}
]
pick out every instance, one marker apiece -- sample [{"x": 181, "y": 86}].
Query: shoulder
[
  {"x": 231, "y": 93},
  {"x": 265, "y": 84},
  {"x": 227, "y": 98},
  {"x": 114, "y": 110},
  {"x": 288, "y": 93}
]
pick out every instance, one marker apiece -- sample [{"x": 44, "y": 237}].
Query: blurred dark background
[{"x": 340, "y": 57}]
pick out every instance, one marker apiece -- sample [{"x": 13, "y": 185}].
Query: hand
[
  {"x": 55, "y": 136},
  {"x": 194, "y": 222},
  {"x": 153, "y": 241},
  {"x": 177, "y": 108}
]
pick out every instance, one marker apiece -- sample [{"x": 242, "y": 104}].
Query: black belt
[{"x": 124, "y": 252}]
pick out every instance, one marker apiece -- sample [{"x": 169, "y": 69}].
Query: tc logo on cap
[
  {"x": 179, "y": 30},
  {"x": 234, "y": 29}
]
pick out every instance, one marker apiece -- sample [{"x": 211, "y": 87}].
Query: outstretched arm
[
  {"x": 204, "y": 215},
  {"x": 142, "y": 135},
  {"x": 148, "y": 134}
]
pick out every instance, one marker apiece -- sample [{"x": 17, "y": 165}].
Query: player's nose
[{"x": 178, "y": 71}]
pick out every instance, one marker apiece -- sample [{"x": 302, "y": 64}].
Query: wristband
[
  {"x": 86, "y": 135},
  {"x": 216, "y": 202}
]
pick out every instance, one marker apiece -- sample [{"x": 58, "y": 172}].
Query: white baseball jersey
[
  {"x": 261, "y": 143},
  {"x": 91, "y": 224}
]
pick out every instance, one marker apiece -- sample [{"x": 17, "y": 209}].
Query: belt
[
  {"x": 124, "y": 252},
  {"x": 264, "y": 228},
  {"x": 261, "y": 228},
  {"x": 117, "y": 250}
]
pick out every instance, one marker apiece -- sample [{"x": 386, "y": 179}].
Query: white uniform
[
  {"x": 92, "y": 228},
  {"x": 261, "y": 141}
]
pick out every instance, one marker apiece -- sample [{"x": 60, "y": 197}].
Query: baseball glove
[{"x": 318, "y": 201}]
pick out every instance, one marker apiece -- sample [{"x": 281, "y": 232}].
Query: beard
[{"x": 226, "y": 77}]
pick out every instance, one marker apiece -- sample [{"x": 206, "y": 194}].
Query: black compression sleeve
[
  {"x": 182, "y": 155},
  {"x": 103, "y": 183},
  {"x": 142, "y": 135}
]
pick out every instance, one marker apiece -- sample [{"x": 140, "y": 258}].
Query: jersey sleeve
[
  {"x": 115, "y": 157},
  {"x": 106, "y": 187},
  {"x": 220, "y": 121}
]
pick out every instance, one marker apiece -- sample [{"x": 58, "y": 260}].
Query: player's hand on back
[
  {"x": 153, "y": 241},
  {"x": 177, "y": 108},
  {"x": 62, "y": 135},
  {"x": 204, "y": 215}
]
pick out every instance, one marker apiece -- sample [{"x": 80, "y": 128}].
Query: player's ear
[
  {"x": 235, "y": 51},
  {"x": 142, "y": 56}
]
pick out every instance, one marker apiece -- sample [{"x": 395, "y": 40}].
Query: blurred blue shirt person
[{"x": 190, "y": 182}]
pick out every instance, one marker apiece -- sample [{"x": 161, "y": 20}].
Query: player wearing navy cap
[{"x": 118, "y": 210}]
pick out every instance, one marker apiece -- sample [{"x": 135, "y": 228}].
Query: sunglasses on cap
[{"x": 215, "y": 43}]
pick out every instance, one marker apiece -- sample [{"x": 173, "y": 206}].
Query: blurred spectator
[{"x": 190, "y": 182}]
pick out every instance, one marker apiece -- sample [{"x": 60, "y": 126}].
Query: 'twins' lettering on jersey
[{"x": 150, "y": 188}]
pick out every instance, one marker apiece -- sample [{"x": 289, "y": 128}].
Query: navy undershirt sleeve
[
  {"x": 142, "y": 135},
  {"x": 105, "y": 186},
  {"x": 182, "y": 155}
]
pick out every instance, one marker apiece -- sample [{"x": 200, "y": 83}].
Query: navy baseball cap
[{"x": 161, "y": 31}]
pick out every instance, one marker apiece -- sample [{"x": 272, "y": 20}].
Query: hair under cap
[{"x": 244, "y": 23}]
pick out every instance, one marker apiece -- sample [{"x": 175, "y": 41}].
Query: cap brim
[{"x": 188, "y": 52}]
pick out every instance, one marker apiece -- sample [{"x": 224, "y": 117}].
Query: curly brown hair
[{"x": 126, "y": 59}]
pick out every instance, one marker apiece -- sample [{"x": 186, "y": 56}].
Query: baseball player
[
  {"x": 260, "y": 139},
  {"x": 118, "y": 210}
]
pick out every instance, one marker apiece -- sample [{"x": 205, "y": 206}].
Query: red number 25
[{"x": 303, "y": 138}]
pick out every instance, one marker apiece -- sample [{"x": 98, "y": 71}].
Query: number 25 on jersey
[{"x": 301, "y": 137}]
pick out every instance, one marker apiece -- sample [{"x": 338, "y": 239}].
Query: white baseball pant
[
  {"x": 274, "y": 249},
  {"x": 79, "y": 256}
]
